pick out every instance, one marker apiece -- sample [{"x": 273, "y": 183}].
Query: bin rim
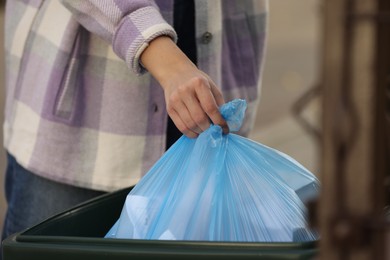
[
  {"x": 28, "y": 236},
  {"x": 152, "y": 248},
  {"x": 20, "y": 237}
]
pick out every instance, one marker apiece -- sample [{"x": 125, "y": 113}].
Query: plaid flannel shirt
[{"x": 80, "y": 108}]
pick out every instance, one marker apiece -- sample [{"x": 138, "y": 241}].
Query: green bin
[{"x": 77, "y": 234}]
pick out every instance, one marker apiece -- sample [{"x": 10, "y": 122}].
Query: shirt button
[
  {"x": 155, "y": 108},
  {"x": 206, "y": 37}
]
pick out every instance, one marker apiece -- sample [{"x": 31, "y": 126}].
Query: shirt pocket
[{"x": 69, "y": 85}]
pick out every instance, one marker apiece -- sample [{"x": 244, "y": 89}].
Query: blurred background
[
  {"x": 2, "y": 152},
  {"x": 291, "y": 69}
]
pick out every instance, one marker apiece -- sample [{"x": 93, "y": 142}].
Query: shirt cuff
[{"x": 136, "y": 31}]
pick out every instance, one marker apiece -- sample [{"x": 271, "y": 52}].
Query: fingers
[
  {"x": 209, "y": 105},
  {"x": 220, "y": 101},
  {"x": 217, "y": 94},
  {"x": 210, "y": 98},
  {"x": 194, "y": 105},
  {"x": 186, "y": 112},
  {"x": 181, "y": 125}
]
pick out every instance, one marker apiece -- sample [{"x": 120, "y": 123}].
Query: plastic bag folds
[{"x": 220, "y": 187}]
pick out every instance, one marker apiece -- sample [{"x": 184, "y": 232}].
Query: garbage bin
[{"x": 77, "y": 234}]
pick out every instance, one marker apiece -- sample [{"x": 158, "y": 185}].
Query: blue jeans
[{"x": 32, "y": 199}]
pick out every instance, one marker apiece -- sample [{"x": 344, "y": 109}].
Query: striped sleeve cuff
[{"x": 136, "y": 31}]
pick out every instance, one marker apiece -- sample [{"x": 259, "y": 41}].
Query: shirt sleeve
[{"x": 128, "y": 25}]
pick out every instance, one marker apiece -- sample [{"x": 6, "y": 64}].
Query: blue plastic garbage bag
[{"x": 220, "y": 188}]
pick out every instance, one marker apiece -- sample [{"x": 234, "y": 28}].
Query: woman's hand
[{"x": 192, "y": 98}]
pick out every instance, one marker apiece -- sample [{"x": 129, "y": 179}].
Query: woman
[{"x": 90, "y": 85}]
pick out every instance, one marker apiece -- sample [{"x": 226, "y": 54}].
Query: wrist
[{"x": 163, "y": 59}]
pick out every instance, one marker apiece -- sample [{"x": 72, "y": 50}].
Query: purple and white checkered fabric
[{"x": 80, "y": 108}]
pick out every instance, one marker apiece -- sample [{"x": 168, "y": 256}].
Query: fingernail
[{"x": 225, "y": 130}]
